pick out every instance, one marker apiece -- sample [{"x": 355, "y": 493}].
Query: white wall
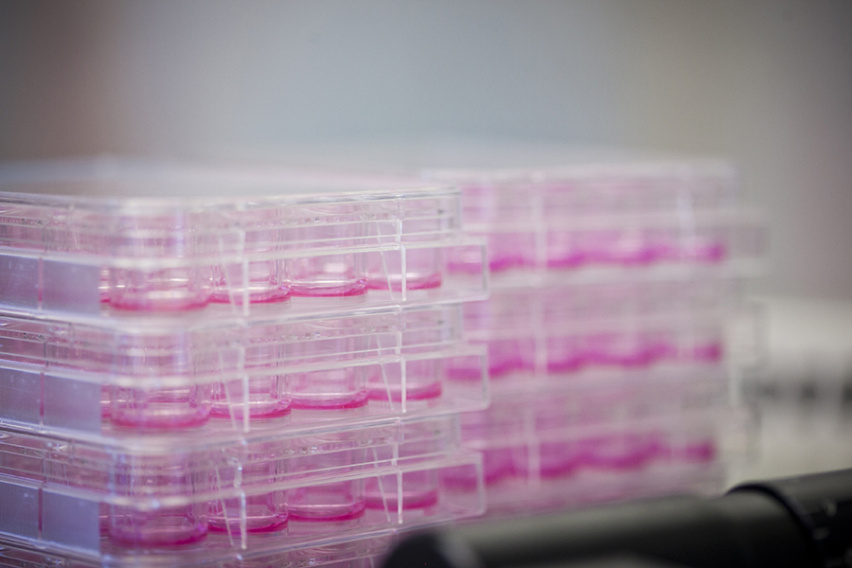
[{"x": 767, "y": 83}]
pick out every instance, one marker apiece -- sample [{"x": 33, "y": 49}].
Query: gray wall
[{"x": 767, "y": 83}]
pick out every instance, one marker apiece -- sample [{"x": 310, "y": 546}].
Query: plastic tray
[
  {"x": 282, "y": 493},
  {"x": 611, "y": 283},
  {"x": 158, "y": 238},
  {"x": 344, "y": 552},
  {"x": 515, "y": 495},
  {"x": 611, "y": 286},
  {"x": 555, "y": 333},
  {"x": 598, "y": 221},
  {"x": 80, "y": 379},
  {"x": 602, "y": 249},
  {"x": 72, "y": 523},
  {"x": 617, "y": 440},
  {"x": 592, "y": 189}
]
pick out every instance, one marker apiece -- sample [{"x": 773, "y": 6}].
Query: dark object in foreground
[{"x": 804, "y": 521}]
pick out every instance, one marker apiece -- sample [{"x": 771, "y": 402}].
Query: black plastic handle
[{"x": 797, "y": 522}]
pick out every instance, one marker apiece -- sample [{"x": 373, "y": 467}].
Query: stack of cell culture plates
[
  {"x": 612, "y": 284},
  {"x": 204, "y": 366}
]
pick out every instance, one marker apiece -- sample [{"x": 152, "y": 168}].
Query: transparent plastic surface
[
  {"x": 208, "y": 503},
  {"x": 206, "y": 366},
  {"x": 600, "y": 220},
  {"x": 97, "y": 465},
  {"x": 159, "y": 238},
  {"x": 37, "y": 283},
  {"x": 345, "y": 552},
  {"x": 593, "y": 188},
  {"x": 602, "y": 442},
  {"x": 612, "y": 284},
  {"x": 79, "y": 379},
  {"x": 732, "y": 243},
  {"x": 560, "y": 333},
  {"x": 609, "y": 269}
]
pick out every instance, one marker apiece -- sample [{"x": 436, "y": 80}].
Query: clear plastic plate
[
  {"x": 156, "y": 238},
  {"x": 80, "y": 379},
  {"x": 281, "y": 493}
]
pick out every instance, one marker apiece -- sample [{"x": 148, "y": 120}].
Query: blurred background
[{"x": 765, "y": 83}]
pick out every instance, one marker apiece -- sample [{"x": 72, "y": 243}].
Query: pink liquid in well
[
  {"x": 459, "y": 479},
  {"x": 660, "y": 350},
  {"x": 565, "y": 365},
  {"x": 143, "y": 304},
  {"x": 166, "y": 290},
  {"x": 508, "y": 355},
  {"x": 464, "y": 261},
  {"x": 617, "y": 451},
  {"x": 711, "y": 252},
  {"x": 632, "y": 257},
  {"x": 463, "y": 368},
  {"x": 263, "y": 393},
  {"x": 505, "y": 262},
  {"x": 600, "y": 349},
  {"x": 698, "y": 451},
  {"x": 429, "y": 391},
  {"x": 171, "y": 526},
  {"x": 412, "y": 282},
  {"x": 464, "y": 372},
  {"x": 507, "y": 251},
  {"x": 269, "y": 296},
  {"x": 422, "y": 381},
  {"x": 103, "y": 285},
  {"x": 422, "y": 269},
  {"x": 106, "y": 401},
  {"x": 324, "y": 402},
  {"x": 329, "y": 290},
  {"x": 624, "y": 350},
  {"x": 264, "y": 513},
  {"x": 328, "y": 276},
  {"x": 258, "y": 467},
  {"x": 179, "y": 407},
  {"x": 636, "y": 359},
  {"x": 498, "y": 464},
  {"x": 573, "y": 260},
  {"x": 558, "y": 459},
  {"x": 617, "y": 247},
  {"x": 419, "y": 490},
  {"x": 334, "y": 389},
  {"x": 340, "y": 501},
  {"x": 261, "y": 281},
  {"x": 410, "y": 500},
  {"x": 328, "y": 502},
  {"x": 104, "y": 517},
  {"x": 564, "y": 250},
  {"x": 267, "y": 398},
  {"x": 564, "y": 355},
  {"x": 711, "y": 352}
]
